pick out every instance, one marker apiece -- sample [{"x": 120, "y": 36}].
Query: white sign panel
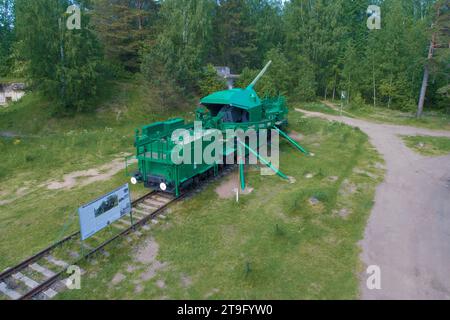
[{"x": 100, "y": 213}]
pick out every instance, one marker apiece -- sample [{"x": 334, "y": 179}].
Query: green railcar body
[{"x": 232, "y": 109}]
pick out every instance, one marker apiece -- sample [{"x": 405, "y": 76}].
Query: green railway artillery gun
[{"x": 224, "y": 111}]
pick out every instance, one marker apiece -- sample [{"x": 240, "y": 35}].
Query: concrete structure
[
  {"x": 11, "y": 92},
  {"x": 225, "y": 72}
]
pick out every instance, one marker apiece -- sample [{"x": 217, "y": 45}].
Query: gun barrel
[{"x": 263, "y": 71}]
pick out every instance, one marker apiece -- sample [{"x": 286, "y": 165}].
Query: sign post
[
  {"x": 99, "y": 214},
  {"x": 343, "y": 97}
]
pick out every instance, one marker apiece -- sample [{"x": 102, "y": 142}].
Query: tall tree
[
  {"x": 266, "y": 19},
  {"x": 61, "y": 63},
  {"x": 235, "y": 35},
  {"x": 437, "y": 60},
  {"x": 6, "y": 34},
  {"x": 315, "y": 31},
  {"x": 122, "y": 26},
  {"x": 183, "y": 44}
]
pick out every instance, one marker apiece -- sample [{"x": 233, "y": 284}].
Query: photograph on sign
[{"x": 100, "y": 213}]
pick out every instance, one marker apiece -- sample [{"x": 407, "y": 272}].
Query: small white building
[
  {"x": 10, "y": 92},
  {"x": 225, "y": 72}
]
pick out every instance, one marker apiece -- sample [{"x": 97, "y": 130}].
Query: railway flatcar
[{"x": 224, "y": 110}]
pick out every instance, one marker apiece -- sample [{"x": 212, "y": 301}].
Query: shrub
[{"x": 210, "y": 81}]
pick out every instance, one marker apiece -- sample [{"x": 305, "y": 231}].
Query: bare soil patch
[
  {"x": 86, "y": 177},
  {"x": 118, "y": 278},
  {"x": 227, "y": 189},
  {"x": 296, "y": 136},
  {"x": 147, "y": 255},
  {"x": 407, "y": 233}
]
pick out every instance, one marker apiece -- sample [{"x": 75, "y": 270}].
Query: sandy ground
[
  {"x": 70, "y": 180},
  {"x": 85, "y": 177},
  {"x": 227, "y": 189},
  {"x": 146, "y": 257},
  {"x": 408, "y": 233}
]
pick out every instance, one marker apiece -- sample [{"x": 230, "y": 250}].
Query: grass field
[
  {"x": 430, "y": 120},
  {"x": 282, "y": 241},
  {"x": 11, "y": 79},
  {"x": 320, "y": 107},
  {"x": 429, "y": 146},
  {"x": 37, "y": 148},
  {"x": 273, "y": 244}
]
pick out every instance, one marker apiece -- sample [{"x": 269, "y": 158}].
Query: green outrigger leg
[
  {"x": 267, "y": 163},
  {"x": 294, "y": 143},
  {"x": 241, "y": 167}
]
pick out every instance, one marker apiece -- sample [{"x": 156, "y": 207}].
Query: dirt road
[{"x": 408, "y": 234}]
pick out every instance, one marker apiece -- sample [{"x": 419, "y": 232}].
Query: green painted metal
[
  {"x": 259, "y": 76},
  {"x": 241, "y": 167},
  {"x": 241, "y": 98},
  {"x": 231, "y": 109},
  {"x": 264, "y": 161},
  {"x": 292, "y": 141},
  {"x": 154, "y": 153}
]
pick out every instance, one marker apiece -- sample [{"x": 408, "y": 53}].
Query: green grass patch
[
  {"x": 11, "y": 80},
  {"x": 273, "y": 244},
  {"x": 428, "y": 146},
  {"x": 429, "y": 120},
  {"x": 37, "y": 147},
  {"x": 318, "y": 107}
]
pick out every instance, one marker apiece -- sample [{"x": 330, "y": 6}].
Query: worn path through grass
[
  {"x": 283, "y": 241},
  {"x": 407, "y": 235}
]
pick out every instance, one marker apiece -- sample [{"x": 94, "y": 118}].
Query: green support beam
[
  {"x": 264, "y": 161},
  {"x": 241, "y": 167},
  {"x": 292, "y": 141}
]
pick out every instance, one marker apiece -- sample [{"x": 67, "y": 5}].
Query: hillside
[{"x": 38, "y": 148}]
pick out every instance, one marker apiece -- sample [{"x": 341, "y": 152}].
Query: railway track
[{"x": 42, "y": 276}]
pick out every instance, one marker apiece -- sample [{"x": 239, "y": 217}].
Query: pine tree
[
  {"x": 266, "y": 19},
  {"x": 183, "y": 44},
  {"x": 210, "y": 81},
  {"x": 6, "y": 35},
  {"x": 122, "y": 26},
  {"x": 437, "y": 64},
  {"x": 61, "y": 63},
  {"x": 235, "y": 36}
]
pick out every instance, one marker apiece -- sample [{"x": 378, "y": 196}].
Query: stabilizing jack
[
  {"x": 241, "y": 160},
  {"x": 294, "y": 143},
  {"x": 264, "y": 161}
]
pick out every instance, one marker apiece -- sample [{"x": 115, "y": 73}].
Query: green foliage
[
  {"x": 278, "y": 79},
  {"x": 63, "y": 64},
  {"x": 428, "y": 146},
  {"x": 6, "y": 35},
  {"x": 246, "y": 77},
  {"x": 267, "y": 18},
  {"x": 291, "y": 78},
  {"x": 182, "y": 44},
  {"x": 306, "y": 87},
  {"x": 358, "y": 102},
  {"x": 236, "y": 37},
  {"x": 122, "y": 26},
  {"x": 210, "y": 81},
  {"x": 318, "y": 48},
  {"x": 444, "y": 96}
]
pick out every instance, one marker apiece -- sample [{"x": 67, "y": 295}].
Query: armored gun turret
[
  {"x": 243, "y": 108},
  {"x": 233, "y": 109}
]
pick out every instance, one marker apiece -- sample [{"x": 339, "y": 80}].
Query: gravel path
[{"x": 408, "y": 233}]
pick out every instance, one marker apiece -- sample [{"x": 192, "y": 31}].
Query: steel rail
[
  {"x": 25, "y": 263},
  {"x": 49, "y": 282}
]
